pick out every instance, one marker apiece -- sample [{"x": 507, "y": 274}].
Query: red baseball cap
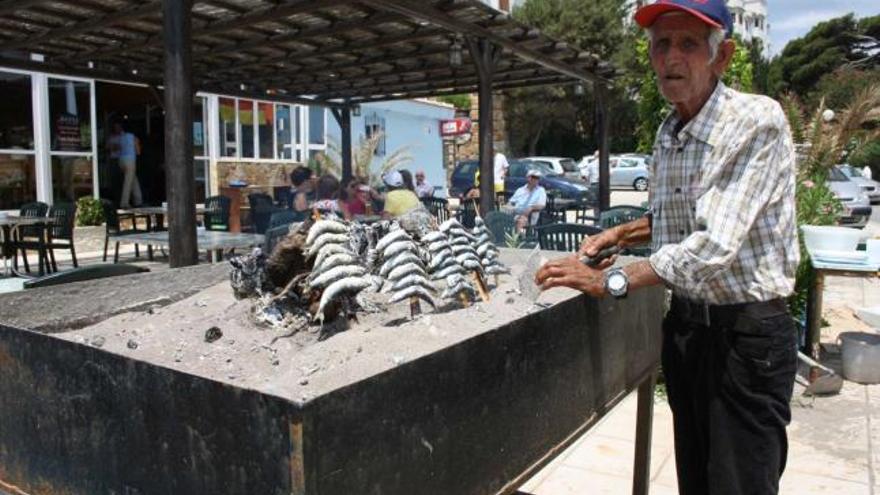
[{"x": 712, "y": 12}]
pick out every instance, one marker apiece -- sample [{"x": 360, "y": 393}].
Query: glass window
[
  {"x": 374, "y": 127},
  {"x": 228, "y": 142},
  {"x": 18, "y": 183},
  {"x": 16, "y": 112},
  {"x": 71, "y": 177},
  {"x": 297, "y": 134},
  {"x": 569, "y": 165},
  {"x": 266, "y": 132},
  {"x": 70, "y": 115},
  {"x": 200, "y": 168},
  {"x": 199, "y": 144},
  {"x": 283, "y": 132},
  {"x": 246, "y": 123},
  {"x": 316, "y": 125}
]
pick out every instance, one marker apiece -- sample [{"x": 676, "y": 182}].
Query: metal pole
[
  {"x": 644, "y": 426},
  {"x": 180, "y": 180},
  {"x": 483, "y": 54},
  {"x": 345, "y": 125},
  {"x": 602, "y": 138}
]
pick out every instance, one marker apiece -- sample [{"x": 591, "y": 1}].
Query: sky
[{"x": 790, "y": 19}]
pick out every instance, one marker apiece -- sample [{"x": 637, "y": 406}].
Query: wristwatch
[{"x": 616, "y": 282}]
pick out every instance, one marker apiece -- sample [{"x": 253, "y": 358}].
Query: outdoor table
[
  {"x": 8, "y": 226},
  {"x": 814, "y": 295},
  {"x": 209, "y": 240},
  {"x": 155, "y": 216}
]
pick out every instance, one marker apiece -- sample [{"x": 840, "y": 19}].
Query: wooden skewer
[
  {"x": 481, "y": 286},
  {"x": 415, "y": 308}
]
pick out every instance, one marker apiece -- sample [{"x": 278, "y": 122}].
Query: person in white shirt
[
  {"x": 866, "y": 172},
  {"x": 528, "y": 201},
  {"x": 500, "y": 167},
  {"x": 423, "y": 189}
]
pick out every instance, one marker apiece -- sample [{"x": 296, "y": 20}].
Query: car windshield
[
  {"x": 836, "y": 175},
  {"x": 568, "y": 165},
  {"x": 519, "y": 168},
  {"x": 851, "y": 171}
]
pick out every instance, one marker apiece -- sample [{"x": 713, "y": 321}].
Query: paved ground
[{"x": 832, "y": 440}]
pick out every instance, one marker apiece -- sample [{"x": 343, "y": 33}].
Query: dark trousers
[{"x": 729, "y": 376}]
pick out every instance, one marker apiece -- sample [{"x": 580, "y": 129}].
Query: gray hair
[{"x": 715, "y": 38}]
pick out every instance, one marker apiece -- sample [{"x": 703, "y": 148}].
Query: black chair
[
  {"x": 467, "y": 213},
  {"x": 583, "y": 213},
  {"x": 283, "y": 218},
  {"x": 272, "y": 236},
  {"x": 500, "y": 225},
  {"x": 617, "y": 215},
  {"x": 283, "y": 197},
  {"x": 31, "y": 237},
  {"x": 112, "y": 221},
  {"x": 565, "y": 237},
  {"x": 438, "y": 207},
  {"x": 262, "y": 208},
  {"x": 216, "y": 215},
  {"x": 61, "y": 231}
]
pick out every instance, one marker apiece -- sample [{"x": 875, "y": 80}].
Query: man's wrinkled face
[{"x": 680, "y": 58}]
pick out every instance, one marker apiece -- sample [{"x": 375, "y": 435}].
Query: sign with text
[{"x": 455, "y": 127}]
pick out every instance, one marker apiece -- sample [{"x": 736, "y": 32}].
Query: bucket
[{"x": 861, "y": 357}]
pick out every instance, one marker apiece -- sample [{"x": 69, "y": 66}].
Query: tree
[
  {"x": 652, "y": 108},
  {"x": 827, "y": 47}
]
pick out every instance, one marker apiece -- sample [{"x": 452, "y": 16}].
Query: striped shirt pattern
[{"x": 723, "y": 200}]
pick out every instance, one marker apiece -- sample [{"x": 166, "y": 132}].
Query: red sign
[{"x": 455, "y": 127}]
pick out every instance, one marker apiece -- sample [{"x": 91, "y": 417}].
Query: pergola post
[
  {"x": 180, "y": 180},
  {"x": 602, "y": 138},
  {"x": 343, "y": 118},
  {"x": 484, "y": 55}
]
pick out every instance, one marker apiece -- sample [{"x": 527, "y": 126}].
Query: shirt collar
[{"x": 700, "y": 127}]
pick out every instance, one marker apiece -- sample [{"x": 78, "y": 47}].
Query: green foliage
[
  {"x": 362, "y": 159},
  {"x": 868, "y": 156},
  {"x": 89, "y": 211},
  {"x": 460, "y": 102},
  {"x": 513, "y": 240},
  {"x": 838, "y": 88}
]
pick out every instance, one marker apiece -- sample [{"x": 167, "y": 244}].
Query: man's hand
[
  {"x": 591, "y": 245},
  {"x": 570, "y": 272}
]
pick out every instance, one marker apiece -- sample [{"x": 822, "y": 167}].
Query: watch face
[{"x": 616, "y": 282}]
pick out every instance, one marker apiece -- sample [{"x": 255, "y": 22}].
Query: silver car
[
  {"x": 856, "y": 205},
  {"x": 871, "y": 187},
  {"x": 627, "y": 171},
  {"x": 559, "y": 164}
]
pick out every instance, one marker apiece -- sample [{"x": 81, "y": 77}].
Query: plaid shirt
[{"x": 723, "y": 199}]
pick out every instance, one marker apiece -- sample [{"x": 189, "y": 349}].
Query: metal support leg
[
  {"x": 814, "y": 320},
  {"x": 644, "y": 424}
]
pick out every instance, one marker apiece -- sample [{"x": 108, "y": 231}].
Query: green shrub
[{"x": 89, "y": 211}]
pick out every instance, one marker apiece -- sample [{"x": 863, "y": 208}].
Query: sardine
[
  {"x": 437, "y": 246},
  {"x": 434, "y": 237},
  {"x": 397, "y": 248},
  {"x": 329, "y": 262},
  {"x": 449, "y": 224},
  {"x": 413, "y": 291},
  {"x": 496, "y": 269},
  {"x": 458, "y": 250},
  {"x": 441, "y": 259},
  {"x": 414, "y": 279},
  {"x": 445, "y": 272},
  {"x": 485, "y": 248},
  {"x": 336, "y": 273},
  {"x": 461, "y": 232},
  {"x": 351, "y": 284},
  {"x": 329, "y": 250},
  {"x": 326, "y": 239},
  {"x": 460, "y": 241},
  {"x": 484, "y": 238},
  {"x": 322, "y": 227},
  {"x": 490, "y": 255},
  {"x": 392, "y": 237},
  {"x": 404, "y": 270},
  {"x": 399, "y": 260},
  {"x": 452, "y": 292}
]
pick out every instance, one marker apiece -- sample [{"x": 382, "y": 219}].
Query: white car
[
  {"x": 630, "y": 170},
  {"x": 559, "y": 164},
  {"x": 856, "y": 205},
  {"x": 870, "y": 187}
]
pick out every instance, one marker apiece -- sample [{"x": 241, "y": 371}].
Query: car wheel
[{"x": 640, "y": 184}]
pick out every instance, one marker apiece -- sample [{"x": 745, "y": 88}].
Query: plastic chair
[
  {"x": 617, "y": 215},
  {"x": 467, "y": 213},
  {"x": 262, "y": 208},
  {"x": 31, "y": 237},
  {"x": 438, "y": 207},
  {"x": 283, "y": 218},
  {"x": 500, "y": 225},
  {"x": 64, "y": 215},
  {"x": 112, "y": 221},
  {"x": 217, "y": 213},
  {"x": 565, "y": 237}
]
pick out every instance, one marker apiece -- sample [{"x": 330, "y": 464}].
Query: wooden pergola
[{"x": 336, "y": 53}]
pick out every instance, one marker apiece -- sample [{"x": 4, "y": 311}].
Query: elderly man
[
  {"x": 528, "y": 201},
  {"x": 722, "y": 225},
  {"x": 423, "y": 188}
]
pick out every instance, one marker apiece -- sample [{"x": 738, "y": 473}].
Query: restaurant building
[{"x": 54, "y": 130}]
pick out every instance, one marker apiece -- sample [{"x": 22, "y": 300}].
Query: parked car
[
  {"x": 560, "y": 165},
  {"x": 465, "y": 171},
  {"x": 629, "y": 171},
  {"x": 871, "y": 187},
  {"x": 856, "y": 205}
]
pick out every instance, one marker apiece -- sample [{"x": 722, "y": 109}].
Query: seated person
[
  {"x": 398, "y": 199},
  {"x": 303, "y": 189},
  {"x": 355, "y": 198},
  {"x": 423, "y": 188},
  {"x": 326, "y": 193},
  {"x": 528, "y": 201}
]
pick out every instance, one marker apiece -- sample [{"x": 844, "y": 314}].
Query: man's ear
[{"x": 724, "y": 57}]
